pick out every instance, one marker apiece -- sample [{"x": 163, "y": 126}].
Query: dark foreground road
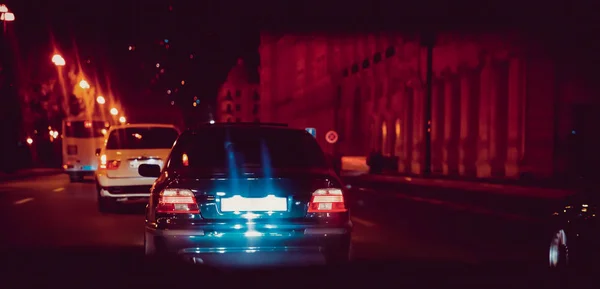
[{"x": 51, "y": 225}]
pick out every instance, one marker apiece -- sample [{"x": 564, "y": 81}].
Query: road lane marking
[
  {"x": 363, "y": 222},
  {"x": 58, "y": 190},
  {"x": 23, "y": 201}
]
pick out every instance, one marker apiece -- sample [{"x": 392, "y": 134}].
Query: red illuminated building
[
  {"x": 498, "y": 110},
  {"x": 239, "y": 98}
]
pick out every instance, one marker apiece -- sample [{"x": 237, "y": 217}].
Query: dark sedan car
[
  {"x": 249, "y": 194},
  {"x": 575, "y": 233}
]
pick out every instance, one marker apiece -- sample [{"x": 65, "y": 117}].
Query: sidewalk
[
  {"x": 26, "y": 173},
  {"x": 466, "y": 185}
]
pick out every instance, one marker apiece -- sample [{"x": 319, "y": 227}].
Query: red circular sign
[{"x": 331, "y": 137}]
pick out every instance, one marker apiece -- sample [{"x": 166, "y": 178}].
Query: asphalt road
[{"x": 50, "y": 214}]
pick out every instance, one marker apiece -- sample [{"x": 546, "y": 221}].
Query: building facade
[
  {"x": 498, "y": 110},
  {"x": 238, "y": 100}
]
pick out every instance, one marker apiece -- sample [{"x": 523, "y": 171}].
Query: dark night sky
[
  {"x": 103, "y": 30},
  {"x": 220, "y": 31}
]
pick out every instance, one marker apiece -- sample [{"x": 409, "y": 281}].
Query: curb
[{"x": 18, "y": 176}]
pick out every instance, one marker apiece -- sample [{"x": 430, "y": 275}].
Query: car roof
[
  {"x": 84, "y": 118},
  {"x": 143, "y": 125},
  {"x": 242, "y": 125}
]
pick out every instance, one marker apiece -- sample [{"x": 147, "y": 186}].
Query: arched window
[
  {"x": 397, "y": 139},
  {"x": 384, "y": 139}
]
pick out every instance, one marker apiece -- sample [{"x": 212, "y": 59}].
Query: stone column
[
  {"x": 418, "y": 131},
  {"x": 516, "y": 104},
  {"x": 451, "y": 124},
  {"x": 437, "y": 127},
  {"x": 407, "y": 130},
  {"x": 498, "y": 118},
  {"x": 469, "y": 120},
  {"x": 483, "y": 142}
]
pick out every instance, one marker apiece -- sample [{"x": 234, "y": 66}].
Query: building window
[
  {"x": 398, "y": 138},
  {"x": 384, "y": 139},
  {"x": 228, "y": 109},
  {"x": 238, "y": 119},
  {"x": 238, "y": 93},
  {"x": 238, "y": 107},
  {"x": 345, "y": 72},
  {"x": 366, "y": 64},
  {"x": 354, "y": 68},
  {"x": 391, "y": 51},
  {"x": 228, "y": 96},
  {"x": 256, "y": 96},
  {"x": 255, "y": 109},
  {"x": 377, "y": 57}
]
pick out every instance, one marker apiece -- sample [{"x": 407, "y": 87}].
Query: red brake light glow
[
  {"x": 87, "y": 124},
  {"x": 109, "y": 165},
  {"x": 327, "y": 201},
  {"x": 177, "y": 201}
]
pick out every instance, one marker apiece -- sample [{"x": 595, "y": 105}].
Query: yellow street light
[
  {"x": 122, "y": 119},
  {"x": 84, "y": 84},
  {"x": 114, "y": 111},
  {"x": 3, "y": 8},
  {"x": 58, "y": 60},
  {"x": 100, "y": 99},
  {"x": 29, "y": 140}
]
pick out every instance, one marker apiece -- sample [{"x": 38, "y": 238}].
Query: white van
[{"x": 81, "y": 139}]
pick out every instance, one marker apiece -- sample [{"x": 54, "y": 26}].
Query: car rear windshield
[
  {"x": 142, "y": 138},
  {"x": 85, "y": 129},
  {"x": 222, "y": 148}
]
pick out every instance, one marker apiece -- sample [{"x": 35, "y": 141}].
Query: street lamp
[
  {"x": 84, "y": 84},
  {"x": 29, "y": 141},
  {"x": 58, "y": 60},
  {"x": 100, "y": 99},
  {"x": 114, "y": 111},
  {"x": 7, "y": 16},
  {"x": 122, "y": 119}
]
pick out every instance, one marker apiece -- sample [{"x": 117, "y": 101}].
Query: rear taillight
[
  {"x": 179, "y": 201},
  {"x": 327, "y": 201},
  {"x": 109, "y": 165}
]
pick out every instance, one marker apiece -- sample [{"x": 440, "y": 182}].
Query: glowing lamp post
[
  {"x": 100, "y": 99},
  {"x": 58, "y": 60},
  {"x": 84, "y": 84},
  {"x": 114, "y": 111},
  {"x": 122, "y": 119}
]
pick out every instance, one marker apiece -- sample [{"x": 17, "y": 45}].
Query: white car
[{"x": 125, "y": 148}]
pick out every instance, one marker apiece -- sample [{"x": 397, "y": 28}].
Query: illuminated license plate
[
  {"x": 270, "y": 203},
  {"x": 135, "y": 164}
]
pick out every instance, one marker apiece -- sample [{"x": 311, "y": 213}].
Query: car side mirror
[
  {"x": 149, "y": 171},
  {"x": 98, "y": 151}
]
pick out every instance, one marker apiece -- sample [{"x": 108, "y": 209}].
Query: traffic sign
[
  {"x": 312, "y": 131},
  {"x": 331, "y": 137}
]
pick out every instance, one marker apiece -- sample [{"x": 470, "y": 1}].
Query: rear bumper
[
  {"x": 105, "y": 181},
  {"x": 293, "y": 244},
  {"x": 79, "y": 172}
]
